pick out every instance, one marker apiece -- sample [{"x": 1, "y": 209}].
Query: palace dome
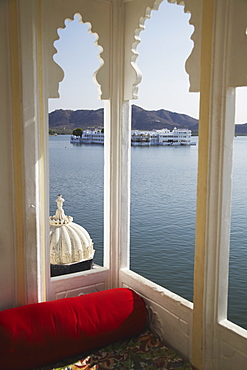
[{"x": 69, "y": 242}]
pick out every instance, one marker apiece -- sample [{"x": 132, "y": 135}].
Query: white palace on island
[{"x": 138, "y": 137}]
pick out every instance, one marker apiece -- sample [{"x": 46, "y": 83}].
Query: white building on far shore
[{"x": 139, "y": 137}]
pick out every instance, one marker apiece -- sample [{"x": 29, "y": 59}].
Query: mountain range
[{"x": 65, "y": 121}]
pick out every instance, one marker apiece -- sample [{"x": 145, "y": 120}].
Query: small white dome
[{"x": 69, "y": 242}]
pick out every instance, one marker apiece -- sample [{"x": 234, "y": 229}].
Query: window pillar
[
  {"x": 117, "y": 122},
  {"x": 216, "y": 132}
]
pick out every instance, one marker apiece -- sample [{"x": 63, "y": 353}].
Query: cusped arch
[
  {"x": 134, "y": 73},
  {"x": 98, "y": 20},
  {"x": 137, "y": 12},
  {"x": 138, "y": 17},
  {"x": 100, "y": 49}
]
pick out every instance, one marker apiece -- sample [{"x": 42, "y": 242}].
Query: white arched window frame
[{"x": 98, "y": 278}]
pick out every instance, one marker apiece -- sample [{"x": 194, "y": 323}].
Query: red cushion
[{"x": 39, "y": 334}]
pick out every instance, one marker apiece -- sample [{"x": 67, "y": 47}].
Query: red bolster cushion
[{"x": 40, "y": 334}]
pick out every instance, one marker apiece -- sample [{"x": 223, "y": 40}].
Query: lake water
[{"x": 163, "y": 208}]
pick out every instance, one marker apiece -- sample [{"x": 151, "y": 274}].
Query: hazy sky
[{"x": 165, "y": 45}]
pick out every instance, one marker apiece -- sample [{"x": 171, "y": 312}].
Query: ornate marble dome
[{"x": 69, "y": 242}]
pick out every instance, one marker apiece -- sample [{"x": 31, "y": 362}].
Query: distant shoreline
[{"x": 65, "y": 121}]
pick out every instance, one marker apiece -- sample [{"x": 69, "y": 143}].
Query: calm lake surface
[{"x": 163, "y": 209}]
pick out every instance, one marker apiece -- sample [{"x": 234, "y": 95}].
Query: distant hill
[
  {"x": 65, "y": 121},
  {"x": 156, "y": 119}
]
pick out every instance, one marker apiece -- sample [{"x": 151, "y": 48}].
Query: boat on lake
[{"x": 163, "y": 137}]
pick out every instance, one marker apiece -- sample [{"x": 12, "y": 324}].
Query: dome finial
[{"x": 60, "y": 218}]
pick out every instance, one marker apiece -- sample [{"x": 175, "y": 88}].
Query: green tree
[
  {"x": 77, "y": 132},
  {"x": 52, "y": 132}
]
